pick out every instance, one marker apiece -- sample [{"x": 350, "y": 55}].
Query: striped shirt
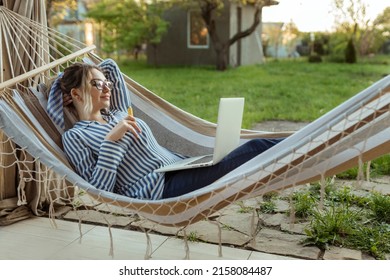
[{"x": 126, "y": 166}]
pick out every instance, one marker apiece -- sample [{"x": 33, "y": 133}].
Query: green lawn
[{"x": 293, "y": 90}]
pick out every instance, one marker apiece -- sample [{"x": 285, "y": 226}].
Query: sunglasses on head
[{"x": 100, "y": 84}]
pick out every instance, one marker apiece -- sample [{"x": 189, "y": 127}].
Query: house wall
[
  {"x": 76, "y": 26},
  {"x": 234, "y": 56},
  {"x": 173, "y": 48},
  {"x": 249, "y": 49}
]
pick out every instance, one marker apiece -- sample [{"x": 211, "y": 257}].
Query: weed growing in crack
[
  {"x": 193, "y": 236},
  {"x": 268, "y": 207},
  {"x": 243, "y": 208},
  {"x": 380, "y": 206},
  {"x": 304, "y": 204},
  {"x": 331, "y": 226}
]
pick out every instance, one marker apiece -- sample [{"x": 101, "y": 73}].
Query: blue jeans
[{"x": 184, "y": 181}]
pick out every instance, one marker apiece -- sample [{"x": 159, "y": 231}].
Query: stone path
[{"x": 275, "y": 126}]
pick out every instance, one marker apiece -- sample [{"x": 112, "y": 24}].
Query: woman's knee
[{"x": 263, "y": 144}]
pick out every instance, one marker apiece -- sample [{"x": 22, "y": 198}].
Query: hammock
[{"x": 354, "y": 132}]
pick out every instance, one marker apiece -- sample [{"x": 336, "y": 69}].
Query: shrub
[
  {"x": 350, "y": 52},
  {"x": 315, "y": 58}
]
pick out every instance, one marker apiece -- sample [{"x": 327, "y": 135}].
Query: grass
[
  {"x": 304, "y": 204},
  {"x": 377, "y": 168},
  {"x": 380, "y": 207},
  {"x": 268, "y": 207},
  {"x": 243, "y": 208},
  {"x": 292, "y": 90},
  {"x": 193, "y": 236},
  {"x": 331, "y": 226}
]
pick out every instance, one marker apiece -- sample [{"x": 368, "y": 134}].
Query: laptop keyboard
[{"x": 202, "y": 160}]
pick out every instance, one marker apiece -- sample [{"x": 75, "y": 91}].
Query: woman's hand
[{"x": 125, "y": 125}]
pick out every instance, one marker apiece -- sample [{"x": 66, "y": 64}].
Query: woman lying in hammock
[{"x": 117, "y": 152}]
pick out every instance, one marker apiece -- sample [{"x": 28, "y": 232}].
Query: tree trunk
[
  {"x": 155, "y": 55},
  {"x": 222, "y": 59},
  {"x": 208, "y": 9}
]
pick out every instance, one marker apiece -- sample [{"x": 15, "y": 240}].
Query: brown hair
[{"x": 75, "y": 76}]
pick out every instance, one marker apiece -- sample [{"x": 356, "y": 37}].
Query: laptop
[{"x": 227, "y": 136}]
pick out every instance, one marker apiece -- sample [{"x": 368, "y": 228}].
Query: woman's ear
[{"x": 76, "y": 96}]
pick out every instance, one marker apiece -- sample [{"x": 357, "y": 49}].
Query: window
[{"x": 198, "y": 36}]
